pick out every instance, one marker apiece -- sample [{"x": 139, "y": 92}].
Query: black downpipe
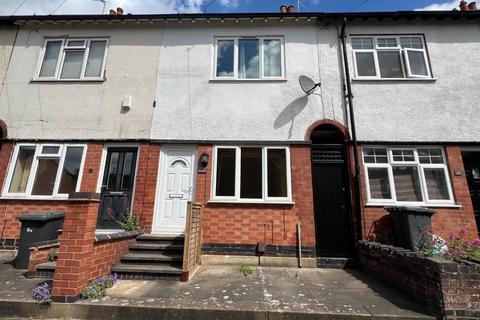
[{"x": 349, "y": 96}]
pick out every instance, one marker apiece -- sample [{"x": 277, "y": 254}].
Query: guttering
[{"x": 349, "y": 96}]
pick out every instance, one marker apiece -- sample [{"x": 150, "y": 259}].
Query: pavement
[{"x": 223, "y": 292}]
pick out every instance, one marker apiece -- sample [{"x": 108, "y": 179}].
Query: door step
[
  {"x": 152, "y": 257},
  {"x": 43, "y": 271},
  {"x": 336, "y": 263}
]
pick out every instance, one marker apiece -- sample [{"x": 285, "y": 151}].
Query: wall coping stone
[
  {"x": 117, "y": 236},
  {"x": 84, "y": 196}
]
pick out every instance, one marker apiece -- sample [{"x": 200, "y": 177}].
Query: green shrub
[{"x": 246, "y": 271}]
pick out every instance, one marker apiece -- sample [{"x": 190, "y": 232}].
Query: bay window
[
  {"x": 72, "y": 59},
  {"x": 390, "y": 57},
  {"x": 45, "y": 170},
  {"x": 245, "y": 58},
  {"x": 251, "y": 174},
  {"x": 407, "y": 175}
]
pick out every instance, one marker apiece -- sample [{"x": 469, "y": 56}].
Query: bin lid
[
  {"x": 420, "y": 210},
  {"x": 41, "y": 216}
]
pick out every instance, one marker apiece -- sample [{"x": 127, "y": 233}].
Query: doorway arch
[{"x": 331, "y": 189}]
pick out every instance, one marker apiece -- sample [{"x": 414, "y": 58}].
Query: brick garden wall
[
  {"x": 237, "y": 228},
  {"x": 40, "y": 254},
  {"x": 447, "y": 219},
  {"x": 445, "y": 287}
]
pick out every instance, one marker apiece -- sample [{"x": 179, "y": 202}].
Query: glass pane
[
  {"x": 251, "y": 173},
  {"x": 365, "y": 64},
  {"x": 411, "y": 42},
  {"x": 45, "y": 177},
  {"x": 225, "y": 51},
  {"x": 390, "y": 64},
  {"x": 72, "y": 64},
  {"x": 50, "y": 149},
  {"x": 248, "y": 59},
  {"x": 49, "y": 64},
  {"x": 407, "y": 183},
  {"x": 436, "y": 184},
  {"x": 22, "y": 170},
  {"x": 277, "y": 172},
  {"x": 76, "y": 43},
  {"x": 272, "y": 63},
  {"x": 362, "y": 43},
  {"x": 430, "y": 156},
  {"x": 127, "y": 178},
  {"x": 225, "y": 173},
  {"x": 112, "y": 171},
  {"x": 417, "y": 63},
  {"x": 95, "y": 58},
  {"x": 379, "y": 183},
  {"x": 71, "y": 170},
  {"x": 387, "y": 42},
  {"x": 403, "y": 155}
]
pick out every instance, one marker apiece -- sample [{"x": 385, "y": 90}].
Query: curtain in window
[
  {"x": 22, "y": 170},
  {"x": 72, "y": 65},
  {"x": 248, "y": 59},
  {"x": 272, "y": 58},
  {"x": 71, "y": 170},
  {"x": 407, "y": 183}
]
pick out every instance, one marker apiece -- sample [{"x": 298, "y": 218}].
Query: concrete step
[
  {"x": 147, "y": 272},
  {"x": 44, "y": 271},
  {"x": 161, "y": 238},
  {"x": 150, "y": 257},
  {"x": 336, "y": 263},
  {"x": 156, "y": 246}
]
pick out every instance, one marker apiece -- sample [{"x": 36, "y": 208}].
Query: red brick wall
[
  {"x": 446, "y": 219},
  {"x": 40, "y": 255},
  {"x": 91, "y": 168},
  {"x": 251, "y": 223},
  {"x": 146, "y": 183},
  {"x": 106, "y": 254}
]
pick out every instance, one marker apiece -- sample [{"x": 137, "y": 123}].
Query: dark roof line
[{"x": 472, "y": 14}]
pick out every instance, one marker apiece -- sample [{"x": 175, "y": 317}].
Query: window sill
[
  {"x": 262, "y": 202},
  {"x": 439, "y": 205},
  {"x": 246, "y": 80},
  {"x": 30, "y": 198},
  {"x": 67, "y": 80},
  {"x": 396, "y": 80}
]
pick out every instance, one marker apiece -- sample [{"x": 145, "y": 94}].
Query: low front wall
[
  {"x": 447, "y": 288},
  {"x": 40, "y": 253},
  {"x": 236, "y": 228}
]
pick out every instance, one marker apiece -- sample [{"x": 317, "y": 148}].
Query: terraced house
[{"x": 105, "y": 115}]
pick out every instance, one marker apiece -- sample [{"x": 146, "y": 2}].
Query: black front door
[
  {"x": 471, "y": 162},
  {"x": 331, "y": 201},
  {"x": 117, "y": 186}
]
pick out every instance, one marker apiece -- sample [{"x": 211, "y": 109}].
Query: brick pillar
[{"x": 76, "y": 247}]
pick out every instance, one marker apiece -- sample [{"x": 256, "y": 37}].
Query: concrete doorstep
[{"x": 223, "y": 292}]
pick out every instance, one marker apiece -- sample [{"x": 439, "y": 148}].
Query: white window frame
[
  {"x": 265, "y": 198},
  {"x": 420, "y": 169},
  {"x": 61, "y": 58},
  {"x": 261, "y": 40},
  {"x": 31, "y": 178},
  {"x": 403, "y": 53}
]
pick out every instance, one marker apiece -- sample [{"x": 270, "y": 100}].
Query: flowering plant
[
  {"x": 98, "y": 288},
  {"x": 455, "y": 247},
  {"x": 41, "y": 293}
]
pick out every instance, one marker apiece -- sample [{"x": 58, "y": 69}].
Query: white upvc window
[
  {"x": 72, "y": 59},
  {"x": 407, "y": 176},
  {"x": 45, "y": 170},
  {"x": 251, "y": 174},
  {"x": 249, "y": 58},
  {"x": 390, "y": 57}
]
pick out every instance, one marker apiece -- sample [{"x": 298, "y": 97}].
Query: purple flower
[
  {"x": 463, "y": 233},
  {"x": 42, "y": 293},
  {"x": 476, "y": 243}
]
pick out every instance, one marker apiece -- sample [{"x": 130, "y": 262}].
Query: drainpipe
[{"x": 349, "y": 96}]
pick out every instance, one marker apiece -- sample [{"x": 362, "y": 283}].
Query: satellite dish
[{"x": 307, "y": 84}]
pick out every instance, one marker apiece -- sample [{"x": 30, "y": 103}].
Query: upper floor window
[
  {"x": 72, "y": 59},
  {"x": 249, "y": 58},
  {"x": 252, "y": 174},
  {"x": 407, "y": 175},
  {"x": 45, "y": 170},
  {"x": 390, "y": 57}
]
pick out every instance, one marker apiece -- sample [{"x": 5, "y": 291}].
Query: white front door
[{"x": 175, "y": 188}]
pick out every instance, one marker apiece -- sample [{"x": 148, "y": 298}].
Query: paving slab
[{"x": 223, "y": 292}]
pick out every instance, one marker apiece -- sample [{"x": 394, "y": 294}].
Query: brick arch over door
[{"x": 339, "y": 126}]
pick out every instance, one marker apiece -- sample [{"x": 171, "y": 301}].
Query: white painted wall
[
  {"x": 447, "y": 109},
  {"x": 192, "y": 107},
  {"x": 87, "y": 110},
  {"x": 7, "y": 38}
]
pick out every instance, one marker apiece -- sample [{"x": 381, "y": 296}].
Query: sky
[{"x": 42, "y": 7}]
